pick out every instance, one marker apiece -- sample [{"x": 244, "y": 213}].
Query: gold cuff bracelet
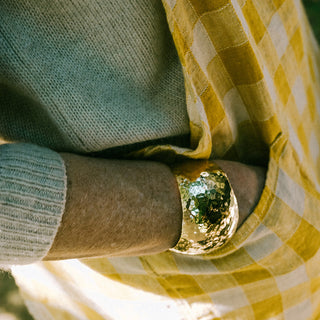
[{"x": 210, "y": 208}]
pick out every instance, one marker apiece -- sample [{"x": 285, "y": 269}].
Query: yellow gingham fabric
[{"x": 252, "y": 81}]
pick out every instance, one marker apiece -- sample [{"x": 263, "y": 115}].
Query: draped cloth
[{"x": 251, "y": 71}]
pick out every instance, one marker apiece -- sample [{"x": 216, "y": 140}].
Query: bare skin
[
  {"x": 247, "y": 183},
  {"x": 123, "y": 208}
]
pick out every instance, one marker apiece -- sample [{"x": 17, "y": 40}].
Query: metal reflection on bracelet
[{"x": 210, "y": 208}]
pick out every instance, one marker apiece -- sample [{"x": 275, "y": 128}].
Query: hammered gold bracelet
[{"x": 209, "y": 205}]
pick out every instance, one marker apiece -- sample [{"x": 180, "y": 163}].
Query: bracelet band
[{"x": 210, "y": 208}]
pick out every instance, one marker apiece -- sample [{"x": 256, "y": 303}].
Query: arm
[
  {"x": 120, "y": 208},
  {"x": 117, "y": 207}
]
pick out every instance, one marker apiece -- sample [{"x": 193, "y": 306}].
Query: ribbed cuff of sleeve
[{"x": 32, "y": 201}]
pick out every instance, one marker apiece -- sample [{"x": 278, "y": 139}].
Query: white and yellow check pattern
[{"x": 252, "y": 80}]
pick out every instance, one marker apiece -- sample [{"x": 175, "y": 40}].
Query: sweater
[{"x": 82, "y": 78}]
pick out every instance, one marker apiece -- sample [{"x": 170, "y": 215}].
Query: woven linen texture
[{"x": 252, "y": 82}]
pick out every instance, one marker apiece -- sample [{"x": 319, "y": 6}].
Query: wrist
[
  {"x": 210, "y": 210},
  {"x": 247, "y": 183}
]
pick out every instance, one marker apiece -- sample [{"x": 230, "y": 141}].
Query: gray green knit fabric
[
  {"x": 32, "y": 197},
  {"x": 95, "y": 74},
  {"x": 82, "y": 76}
]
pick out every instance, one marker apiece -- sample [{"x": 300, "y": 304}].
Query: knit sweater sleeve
[{"x": 32, "y": 199}]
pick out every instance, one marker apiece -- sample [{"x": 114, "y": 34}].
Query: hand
[{"x": 247, "y": 183}]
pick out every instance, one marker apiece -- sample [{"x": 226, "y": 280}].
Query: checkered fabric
[{"x": 252, "y": 80}]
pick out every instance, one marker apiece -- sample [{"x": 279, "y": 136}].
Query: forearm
[
  {"x": 122, "y": 208},
  {"x": 117, "y": 207}
]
